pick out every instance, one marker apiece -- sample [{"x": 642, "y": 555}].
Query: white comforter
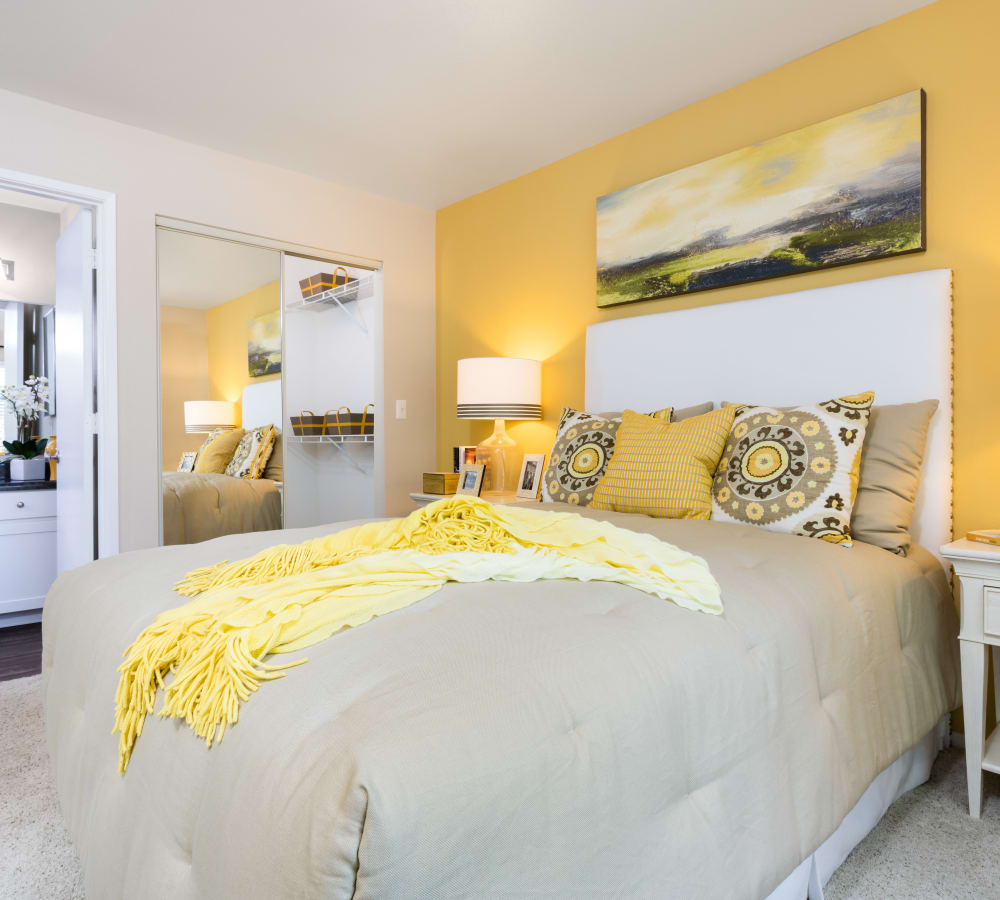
[{"x": 550, "y": 739}]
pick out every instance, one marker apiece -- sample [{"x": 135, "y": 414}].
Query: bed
[
  {"x": 198, "y": 506},
  {"x": 553, "y": 738}
]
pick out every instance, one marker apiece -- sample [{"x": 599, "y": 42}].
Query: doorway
[{"x": 57, "y": 299}]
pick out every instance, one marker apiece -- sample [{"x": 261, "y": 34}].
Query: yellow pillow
[
  {"x": 216, "y": 452},
  {"x": 665, "y": 469}
]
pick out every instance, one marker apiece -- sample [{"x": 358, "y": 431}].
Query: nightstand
[
  {"x": 506, "y": 499},
  {"x": 978, "y": 569}
]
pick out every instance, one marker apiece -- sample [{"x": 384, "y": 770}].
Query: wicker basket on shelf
[
  {"x": 307, "y": 423},
  {"x": 344, "y": 422}
]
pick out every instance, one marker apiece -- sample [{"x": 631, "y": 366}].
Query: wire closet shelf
[
  {"x": 338, "y": 298},
  {"x": 331, "y": 438}
]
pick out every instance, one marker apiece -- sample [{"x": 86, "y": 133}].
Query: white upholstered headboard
[
  {"x": 261, "y": 404},
  {"x": 890, "y": 335}
]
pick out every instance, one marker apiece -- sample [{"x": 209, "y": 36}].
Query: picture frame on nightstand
[
  {"x": 470, "y": 479},
  {"x": 531, "y": 475}
]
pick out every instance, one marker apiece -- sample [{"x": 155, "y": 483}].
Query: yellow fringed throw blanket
[{"x": 292, "y": 596}]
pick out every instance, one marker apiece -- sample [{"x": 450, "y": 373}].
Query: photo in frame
[
  {"x": 530, "y": 478},
  {"x": 187, "y": 461},
  {"x": 470, "y": 479},
  {"x": 463, "y": 455}
]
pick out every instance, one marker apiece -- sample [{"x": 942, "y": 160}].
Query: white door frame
[{"x": 103, "y": 204}]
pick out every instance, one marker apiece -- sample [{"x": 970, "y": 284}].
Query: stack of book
[{"x": 984, "y": 536}]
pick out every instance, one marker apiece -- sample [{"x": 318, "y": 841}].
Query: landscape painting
[
  {"x": 264, "y": 344},
  {"x": 842, "y": 191}
]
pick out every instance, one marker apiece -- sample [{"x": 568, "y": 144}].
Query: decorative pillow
[
  {"x": 252, "y": 454},
  {"x": 275, "y": 470},
  {"x": 584, "y": 444},
  {"x": 665, "y": 468},
  {"x": 794, "y": 470},
  {"x": 218, "y": 449},
  {"x": 616, "y": 416},
  {"x": 890, "y": 474},
  {"x": 689, "y": 412}
]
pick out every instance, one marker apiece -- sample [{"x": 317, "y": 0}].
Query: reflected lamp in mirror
[
  {"x": 203, "y": 416},
  {"x": 499, "y": 388}
]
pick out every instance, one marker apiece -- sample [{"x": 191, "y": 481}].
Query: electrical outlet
[{"x": 400, "y": 409}]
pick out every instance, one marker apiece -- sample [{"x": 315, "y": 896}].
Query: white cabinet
[
  {"x": 978, "y": 569},
  {"x": 27, "y": 553}
]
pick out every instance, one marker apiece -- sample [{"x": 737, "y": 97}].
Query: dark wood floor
[{"x": 20, "y": 651}]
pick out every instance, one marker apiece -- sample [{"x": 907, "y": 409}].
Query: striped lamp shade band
[{"x": 499, "y": 410}]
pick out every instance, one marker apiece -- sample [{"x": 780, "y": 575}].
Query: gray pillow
[
  {"x": 891, "y": 458},
  {"x": 676, "y": 415},
  {"x": 689, "y": 412}
]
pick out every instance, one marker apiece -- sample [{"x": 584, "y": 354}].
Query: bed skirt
[{"x": 911, "y": 770}]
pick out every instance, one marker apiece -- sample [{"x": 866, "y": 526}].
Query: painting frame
[
  {"x": 917, "y": 233},
  {"x": 264, "y": 344}
]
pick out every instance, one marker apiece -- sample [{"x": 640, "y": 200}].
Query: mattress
[
  {"x": 555, "y": 738},
  {"x": 198, "y": 506}
]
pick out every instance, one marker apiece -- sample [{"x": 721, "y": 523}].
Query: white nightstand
[
  {"x": 506, "y": 499},
  {"x": 978, "y": 569}
]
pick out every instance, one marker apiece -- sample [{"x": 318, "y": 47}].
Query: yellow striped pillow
[{"x": 665, "y": 469}]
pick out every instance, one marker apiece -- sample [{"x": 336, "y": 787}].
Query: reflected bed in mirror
[{"x": 201, "y": 505}]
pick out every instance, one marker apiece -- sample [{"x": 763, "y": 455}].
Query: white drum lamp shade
[
  {"x": 202, "y": 416},
  {"x": 499, "y": 387}
]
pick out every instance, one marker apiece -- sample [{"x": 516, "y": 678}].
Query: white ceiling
[
  {"x": 427, "y": 101},
  {"x": 200, "y": 272}
]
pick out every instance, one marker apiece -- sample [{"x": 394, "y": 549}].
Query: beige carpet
[
  {"x": 37, "y": 859},
  {"x": 926, "y": 846}
]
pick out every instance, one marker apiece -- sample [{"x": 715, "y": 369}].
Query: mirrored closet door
[
  {"x": 220, "y": 386},
  {"x": 270, "y": 381}
]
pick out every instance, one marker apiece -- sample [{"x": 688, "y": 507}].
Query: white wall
[
  {"x": 152, "y": 174},
  {"x": 28, "y": 236}
]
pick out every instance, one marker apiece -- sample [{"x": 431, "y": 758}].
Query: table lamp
[
  {"x": 202, "y": 416},
  {"x": 499, "y": 388}
]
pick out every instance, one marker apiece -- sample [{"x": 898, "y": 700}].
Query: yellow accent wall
[
  {"x": 228, "y": 322},
  {"x": 516, "y": 264},
  {"x": 184, "y": 376}
]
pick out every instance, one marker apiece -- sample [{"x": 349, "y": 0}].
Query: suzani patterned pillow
[
  {"x": 583, "y": 447},
  {"x": 252, "y": 454},
  {"x": 794, "y": 470}
]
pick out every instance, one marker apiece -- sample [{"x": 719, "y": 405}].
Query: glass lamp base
[{"x": 502, "y": 458}]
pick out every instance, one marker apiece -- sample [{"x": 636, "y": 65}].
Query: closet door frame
[{"x": 290, "y": 248}]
